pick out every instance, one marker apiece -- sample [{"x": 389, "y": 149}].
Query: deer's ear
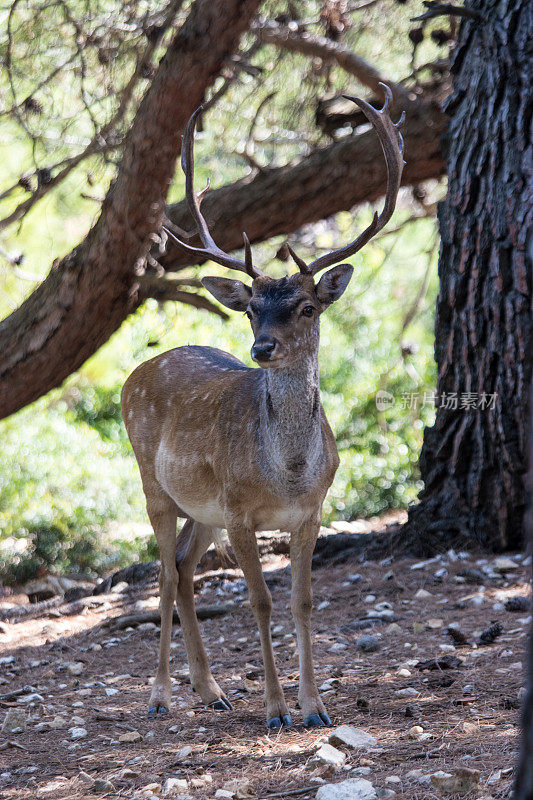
[
  {"x": 232, "y": 294},
  {"x": 333, "y": 283}
]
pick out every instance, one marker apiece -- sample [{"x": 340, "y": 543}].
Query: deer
[{"x": 228, "y": 446}]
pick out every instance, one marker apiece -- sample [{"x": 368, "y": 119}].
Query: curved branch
[
  {"x": 162, "y": 289},
  {"x": 335, "y": 178},
  {"x": 92, "y": 290},
  {"x": 329, "y": 51}
]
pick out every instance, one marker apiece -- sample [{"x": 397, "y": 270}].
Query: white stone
[
  {"x": 504, "y": 564},
  {"x": 352, "y": 789},
  {"x": 354, "y": 738},
  {"x": 330, "y": 755},
  {"x": 423, "y": 594},
  {"x": 75, "y": 668},
  {"x": 173, "y": 784},
  {"x": 77, "y": 733}
]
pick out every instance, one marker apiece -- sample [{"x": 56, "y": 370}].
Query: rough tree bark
[
  {"x": 473, "y": 460},
  {"x": 89, "y": 293},
  {"x": 523, "y": 788}
]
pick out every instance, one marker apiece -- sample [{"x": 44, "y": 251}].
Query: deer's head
[{"x": 284, "y": 313}]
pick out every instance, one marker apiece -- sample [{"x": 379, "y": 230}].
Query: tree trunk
[
  {"x": 89, "y": 293},
  {"x": 523, "y": 789},
  {"x": 474, "y": 459}
]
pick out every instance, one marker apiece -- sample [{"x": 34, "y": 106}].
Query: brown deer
[{"x": 228, "y": 446}]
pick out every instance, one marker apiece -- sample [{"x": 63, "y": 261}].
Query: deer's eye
[{"x": 307, "y": 311}]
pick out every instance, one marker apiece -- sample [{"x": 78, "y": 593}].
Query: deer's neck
[{"x": 290, "y": 417}]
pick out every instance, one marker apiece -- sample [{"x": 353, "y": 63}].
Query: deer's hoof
[
  {"x": 280, "y": 722},
  {"x": 158, "y": 710},
  {"x": 222, "y": 704},
  {"x": 317, "y": 720}
]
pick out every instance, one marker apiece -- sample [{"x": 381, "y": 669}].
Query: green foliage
[{"x": 60, "y": 485}]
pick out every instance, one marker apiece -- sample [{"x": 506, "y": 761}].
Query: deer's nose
[{"x": 263, "y": 348}]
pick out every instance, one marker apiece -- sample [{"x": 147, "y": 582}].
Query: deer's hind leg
[
  {"x": 193, "y": 541},
  {"x": 163, "y": 514}
]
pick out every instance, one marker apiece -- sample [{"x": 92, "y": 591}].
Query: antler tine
[
  {"x": 392, "y": 144},
  {"x": 210, "y": 249},
  {"x": 302, "y": 266}
]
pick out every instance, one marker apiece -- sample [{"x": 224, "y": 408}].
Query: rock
[
  {"x": 419, "y": 776},
  {"x": 77, "y": 733},
  {"x": 46, "y": 587},
  {"x": 129, "y": 737},
  {"x": 324, "y": 604},
  {"x": 434, "y": 624},
  {"x": 354, "y": 738},
  {"x": 149, "y": 736},
  {"x": 383, "y": 794},
  {"x": 504, "y": 564},
  {"x": 172, "y": 785},
  {"x": 352, "y": 789},
  {"x": 184, "y": 753},
  {"x": 423, "y": 564},
  {"x": 152, "y": 788},
  {"x": 31, "y": 698},
  {"x": 367, "y": 643},
  {"x": 102, "y": 786},
  {"x": 110, "y": 691},
  {"x": 461, "y": 781},
  {"x": 422, "y": 594},
  {"x": 329, "y": 685},
  {"x": 394, "y": 779},
  {"x": 518, "y": 603},
  {"x": 337, "y": 647},
  {"x": 85, "y": 778},
  {"x": 16, "y": 719},
  {"x": 404, "y": 673},
  {"x": 415, "y": 731},
  {"x": 223, "y": 794},
  {"x": 75, "y": 668},
  {"x": 393, "y": 628},
  {"x": 59, "y": 721},
  {"x": 328, "y": 754},
  {"x": 41, "y": 727},
  {"x": 409, "y": 691},
  {"x": 240, "y": 789}
]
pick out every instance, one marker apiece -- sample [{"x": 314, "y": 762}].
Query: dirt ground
[{"x": 467, "y": 715}]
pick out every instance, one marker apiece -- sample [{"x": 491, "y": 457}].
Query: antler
[
  {"x": 392, "y": 144},
  {"x": 210, "y": 249}
]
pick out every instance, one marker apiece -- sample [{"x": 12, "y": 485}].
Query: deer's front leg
[
  {"x": 302, "y": 546},
  {"x": 244, "y": 546}
]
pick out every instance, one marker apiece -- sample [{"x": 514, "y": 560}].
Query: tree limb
[
  {"x": 162, "y": 289},
  {"x": 335, "y": 178},
  {"x": 92, "y": 290},
  {"x": 330, "y": 52},
  {"x": 88, "y": 295}
]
